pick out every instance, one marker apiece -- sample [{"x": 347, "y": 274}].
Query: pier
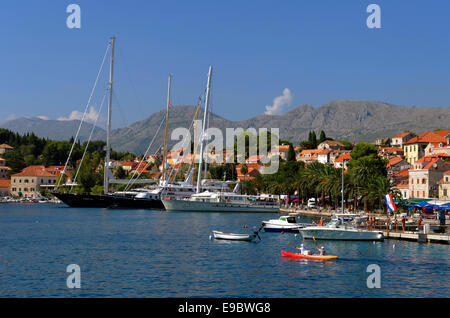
[{"x": 443, "y": 238}]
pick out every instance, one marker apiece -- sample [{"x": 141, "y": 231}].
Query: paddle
[
  {"x": 316, "y": 243},
  {"x": 292, "y": 245}
]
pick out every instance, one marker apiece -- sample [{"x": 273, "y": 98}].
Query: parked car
[{"x": 312, "y": 203}]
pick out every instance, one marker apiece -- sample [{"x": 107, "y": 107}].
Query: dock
[{"x": 443, "y": 238}]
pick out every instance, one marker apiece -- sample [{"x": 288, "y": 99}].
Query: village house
[
  {"x": 390, "y": 152},
  {"x": 3, "y": 169},
  {"x": 253, "y": 169},
  {"x": 5, "y": 188},
  {"x": 400, "y": 139},
  {"x": 281, "y": 151},
  {"x": 5, "y": 148},
  {"x": 414, "y": 149},
  {"x": 438, "y": 147},
  {"x": 331, "y": 144},
  {"x": 31, "y": 180},
  {"x": 444, "y": 186},
  {"x": 258, "y": 159},
  {"x": 380, "y": 142},
  {"x": 396, "y": 164},
  {"x": 307, "y": 156},
  {"x": 335, "y": 154},
  {"x": 343, "y": 158},
  {"x": 424, "y": 176}
]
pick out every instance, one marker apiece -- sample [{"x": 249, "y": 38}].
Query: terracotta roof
[
  {"x": 35, "y": 171},
  {"x": 5, "y": 183},
  {"x": 394, "y": 161},
  {"x": 390, "y": 149},
  {"x": 332, "y": 143},
  {"x": 427, "y": 137},
  {"x": 402, "y": 186},
  {"x": 442, "y": 133},
  {"x": 401, "y": 135},
  {"x": 343, "y": 157},
  {"x": 5, "y": 146},
  {"x": 401, "y": 173}
]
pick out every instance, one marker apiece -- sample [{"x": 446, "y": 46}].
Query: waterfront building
[
  {"x": 424, "y": 176},
  {"x": 308, "y": 155},
  {"x": 4, "y": 188},
  {"x": 31, "y": 180},
  {"x": 444, "y": 186}
]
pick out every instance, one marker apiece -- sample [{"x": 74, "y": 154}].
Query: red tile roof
[
  {"x": 401, "y": 135},
  {"x": 35, "y": 171},
  {"x": 5, "y": 183},
  {"x": 401, "y": 173},
  {"x": 5, "y": 146},
  {"x": 394, "y": 161},
  {"x": 343, "y": 157},
  {"x": 428, "y": 137}
]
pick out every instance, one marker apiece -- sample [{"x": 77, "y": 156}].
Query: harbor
[{"x": 150, "y": 253}]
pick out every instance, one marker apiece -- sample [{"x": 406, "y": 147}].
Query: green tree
[{"x": 291, "y": 153}]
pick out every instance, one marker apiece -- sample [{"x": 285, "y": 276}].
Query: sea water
[{"x": 146, "y": 253}]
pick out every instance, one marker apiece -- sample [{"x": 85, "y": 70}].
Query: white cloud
[
  {"x": 90, "y": 117},
  {"x": 43, "y": 117},
  {"x": 279, "y": 103}
]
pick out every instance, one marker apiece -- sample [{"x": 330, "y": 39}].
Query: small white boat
[
  {"x": 218, "y": 235},
  {"x": 283, "y": 224},
  {"x": 342, "y": 227}
]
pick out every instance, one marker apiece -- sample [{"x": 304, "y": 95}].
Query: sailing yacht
[
  {"x": 217, "y": 201},
  {"x": 143, "y": 197}
]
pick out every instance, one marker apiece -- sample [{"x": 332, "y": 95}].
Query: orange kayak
[{"x": 315, "y": 256}]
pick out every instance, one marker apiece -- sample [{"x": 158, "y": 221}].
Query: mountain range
[{"x": 340, "y": 119}]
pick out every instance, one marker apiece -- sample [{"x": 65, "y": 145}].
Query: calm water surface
[{"x": 142, "y": 253}]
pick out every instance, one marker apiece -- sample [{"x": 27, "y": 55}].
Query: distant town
[{"x": 417, "y": 166}]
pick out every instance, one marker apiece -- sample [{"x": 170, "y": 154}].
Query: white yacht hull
[
  {"x": 198, "y": 206},
  {"x": 277, "y": 227},
  {"x": 326, "y": 233}
]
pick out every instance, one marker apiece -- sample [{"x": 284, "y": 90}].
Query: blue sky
[{"x": 319, "y": 50}]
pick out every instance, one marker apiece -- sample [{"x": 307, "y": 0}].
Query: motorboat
[
  {"x": 218, "y": 235},
  {"x": 344, "y": 226},
  {"x": 283, "y": 224}
]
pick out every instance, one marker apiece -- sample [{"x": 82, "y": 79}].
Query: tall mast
[
  {"x": 165, "y": 134},
  {"x": 208, "y": 86},
  {"x": 195, "y": 138},
  {"x": 108, "y": 130}
]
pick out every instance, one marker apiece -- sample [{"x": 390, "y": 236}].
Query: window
[
  {"x": 423, "y": 192},
  {"x": 444, "y": 192},
  {"x": 424, "y": 181},
  {"x": 418, "y": 195}
]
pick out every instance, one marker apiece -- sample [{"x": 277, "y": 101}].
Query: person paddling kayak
[{"x": 303, "y": 250}]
